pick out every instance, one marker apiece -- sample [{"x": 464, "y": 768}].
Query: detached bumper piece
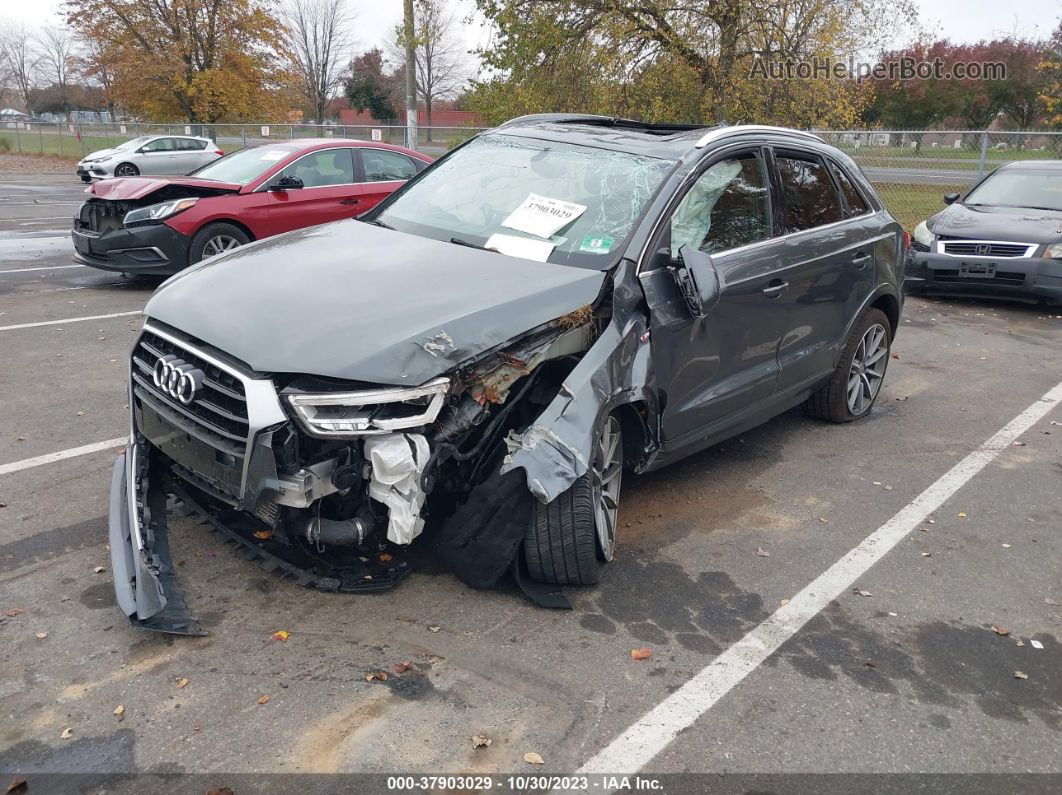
[{"x": 145, "y": 582}]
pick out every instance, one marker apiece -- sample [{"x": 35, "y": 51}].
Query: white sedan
[{"x": 149, "y": 154}]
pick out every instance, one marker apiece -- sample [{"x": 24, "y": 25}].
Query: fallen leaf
[
  {"x": 784, "y": 602},
  {"x": 962, "y": 514},
  {"x": 877, "y": 483},
  {"x": 888, "y": 487},
  {"x": 197, "y": 728},
  {"x": 17, "y": 787},
  {"x": 182, "y": 683},
  {"x": 763, "y": 553},
  {"x": 263, "y": 699},
  {"x": 481, "y": 741},
  {"x": 1019, "y": 444},
  {"x": 870, "y": 664},
  {"x": 68, "y": 732},
  {"x": 385, "y": 558},
  {"x": 1036, "y": 644},
  {"x": 644, "y": 653},
  {"x": 263, "y": 535},
  {"x": 1019, "y": 643},
  {"x": 896, "y": 356},
  {"x": 402, "y": 667},
  {"x": 42, "y": 635},
  {"x": 893, "y": 614},
  {"x": 434, "y": 628},
  {"x": 534, "y": 759},
  {"x": 861, "y": 592},
  {"x": 1020, "y": 675},
  {"x": 119, "y": 710},
  {"x": 99, "y": 570},
  {"x": 1000, "y": 630},
  {"x": 927, "y": 554},
  {"x": 380, "y": 676},
  {"x": 14, "y": 611},
  {"x": 281, "y": 634}
]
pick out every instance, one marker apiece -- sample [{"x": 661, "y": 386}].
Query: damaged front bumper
[{"x": 145, "y": 583}]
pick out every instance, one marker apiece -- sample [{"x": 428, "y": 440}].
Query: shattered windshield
[{"x": 540, "y": 200}]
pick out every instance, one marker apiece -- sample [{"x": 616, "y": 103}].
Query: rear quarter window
[{"x": 810, "y": 197}]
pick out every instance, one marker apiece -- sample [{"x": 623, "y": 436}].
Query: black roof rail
[{"x": 601, "y": 121}]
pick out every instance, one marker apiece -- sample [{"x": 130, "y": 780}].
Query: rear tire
[
  {"x": 563, "y": 544},
  {"x": 216, "y": 239},
  {"x": 126, "y": 170},
  {"x": 854, "y": 386}
]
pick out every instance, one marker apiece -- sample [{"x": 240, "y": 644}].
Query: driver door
[{"x": 715, "y": 370}]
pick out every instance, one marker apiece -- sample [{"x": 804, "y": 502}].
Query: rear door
[
  {"x": 382, "y": 172},
  {"x": 828, "y": 259},
  {"x": 329, "y": 191},
  {"x": 716, "y": 369},
  {"x": 190, "y": 154}
]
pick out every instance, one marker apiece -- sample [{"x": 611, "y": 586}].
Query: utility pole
[{"x": 411, "y": 79}]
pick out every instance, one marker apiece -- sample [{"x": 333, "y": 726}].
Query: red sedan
[{"x": 160, "y": 225}]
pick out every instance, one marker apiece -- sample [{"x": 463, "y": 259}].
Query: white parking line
[
  {"x": 46, "y": 268},
  {"x": 67, "y": 320},
  {"x": 651, "y": 733},
  {"x": 62, "y": 455}
]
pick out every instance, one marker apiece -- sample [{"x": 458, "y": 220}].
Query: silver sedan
[{"x": 149, "y": 154}]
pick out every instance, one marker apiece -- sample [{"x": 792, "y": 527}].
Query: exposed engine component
[{"x": 332, "y": 532}]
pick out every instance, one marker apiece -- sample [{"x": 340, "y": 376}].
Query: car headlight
[
  {"x": 371, "y": 411},
  {"x": 923, "y": 235},
  {"x": 154, "y": 213},
  {"x": 1054, "y": 251}
]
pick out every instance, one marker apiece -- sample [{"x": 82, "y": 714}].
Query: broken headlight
[{"x": 370, "y": 411}]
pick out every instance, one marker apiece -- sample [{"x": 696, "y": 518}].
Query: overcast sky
[{"x": 958, "y": 20}]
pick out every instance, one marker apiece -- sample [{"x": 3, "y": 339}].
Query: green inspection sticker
[{"x": 596, "y": 245}]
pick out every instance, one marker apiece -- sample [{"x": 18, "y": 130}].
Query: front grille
[
  {"x": 980, "y": 248},
  {"x": 217, "y": 415},
  {"x": 1008, "y": 278}
]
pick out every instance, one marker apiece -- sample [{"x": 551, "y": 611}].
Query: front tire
[
  {"x": 126, "y": 170},
  {"x": 854, "y": 386},
  {"x": 215, "y": 239},
  {"x": 568, "y": 540}
]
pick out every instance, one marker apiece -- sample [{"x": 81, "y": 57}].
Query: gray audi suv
[{"x": 474, "y": 366}]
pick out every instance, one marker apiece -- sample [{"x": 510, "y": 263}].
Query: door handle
[
  {"x": 350, "y": 202},
  {"x": 861, "y": 260},
  {"x": 775, "y": 289}
]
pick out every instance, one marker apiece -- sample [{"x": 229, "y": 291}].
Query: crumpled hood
[
  {"x": 126, "y": 188},
  {"x": 1012, "y": 224},
  {"x": 354, "y": 301}
]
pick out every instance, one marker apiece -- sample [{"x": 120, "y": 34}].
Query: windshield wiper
[{"x": 459, "y": 242}]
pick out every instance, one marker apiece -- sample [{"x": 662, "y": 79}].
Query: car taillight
[
  {"x": 219, "y": 153},
  {"x": 906, "y": 240}
]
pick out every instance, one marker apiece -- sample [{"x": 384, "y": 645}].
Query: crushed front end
[{"x": 321, "y": 480}]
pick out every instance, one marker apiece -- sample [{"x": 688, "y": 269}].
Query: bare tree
[
  {"x": 20, "y": 59},
  {"x": 57, "y": 60},
  {"x": 95, "y": 64},
  {"x": 320, "y": 46},
  {"x": 442, "y": 62}
]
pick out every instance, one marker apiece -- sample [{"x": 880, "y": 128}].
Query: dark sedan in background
[{"x": 1003, "y": 239}]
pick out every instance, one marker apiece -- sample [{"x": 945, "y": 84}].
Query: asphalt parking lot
[{"x": 898, "y": 670}]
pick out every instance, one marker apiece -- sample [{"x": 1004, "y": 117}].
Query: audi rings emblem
[{"x": 177, "y": 378}]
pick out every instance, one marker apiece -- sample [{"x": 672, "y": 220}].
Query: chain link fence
[{"x": 912, "y": 170}]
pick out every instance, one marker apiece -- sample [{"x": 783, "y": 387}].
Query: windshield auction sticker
[
  {"x": 542, "y": 216},
  {"x": 538, "y": 250}
]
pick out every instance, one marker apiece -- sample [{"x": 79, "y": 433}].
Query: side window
[
  {"x": 383, "y": 166},
  {"x": 728, "y": 206},
  {"x": 329, "y": 167},
  {"x": 810, "y": 198},
  {"x": 190, "y": 144},
  {"x": 160, "y": 145},
  {"x": 857, "y": 205}
]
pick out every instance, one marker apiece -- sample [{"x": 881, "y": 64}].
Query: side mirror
[
  {"x": 286, "y": 183},
  {"x": 698, "y": 280},
  {"x": 951, "y": 198}
]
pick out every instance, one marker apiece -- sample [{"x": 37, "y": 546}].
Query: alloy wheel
[
  {"x": 607, "y": 474},
  {"x": 125, "y": 171},
  {"x": 219, "y": 243},
  {"x": 868, "y": 369}
]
